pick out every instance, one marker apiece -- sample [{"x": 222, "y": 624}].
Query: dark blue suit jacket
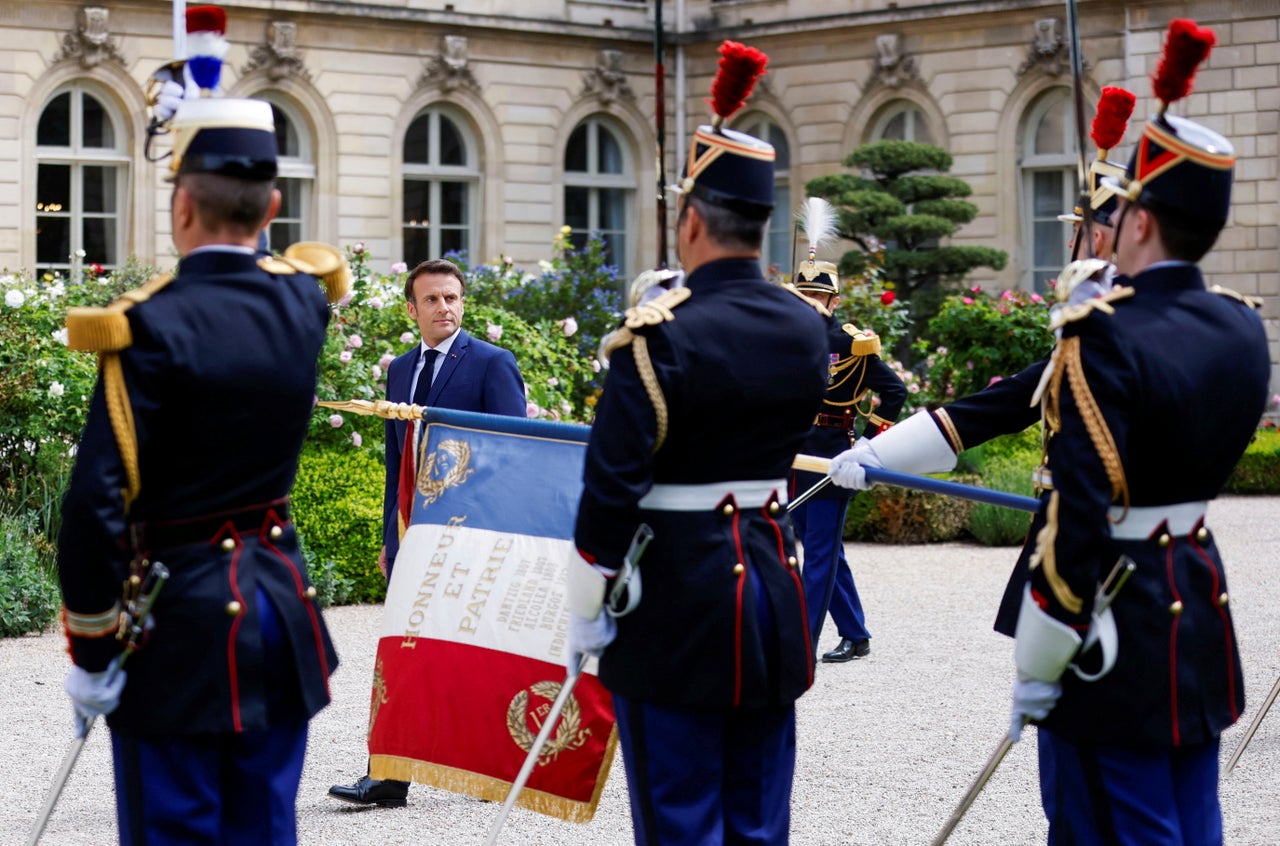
[{"x": 476, "y": 376}]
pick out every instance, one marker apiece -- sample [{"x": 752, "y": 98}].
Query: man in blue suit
[{"x": 447, "y": 369}]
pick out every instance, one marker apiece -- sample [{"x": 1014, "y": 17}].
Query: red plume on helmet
[
  {"x": 740, "y": 67},
  {"x": 206, "y": 19},
  {"x": 1112, "y": 118},
  {"x": 1186, "y": 46}
]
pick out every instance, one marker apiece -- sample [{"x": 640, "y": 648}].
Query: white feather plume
[{"x": 818, "y": 219}]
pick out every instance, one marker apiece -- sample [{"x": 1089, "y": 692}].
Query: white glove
[
  {"x": 589, "y": 637},
  {"x": 167, "y": 101},
  {"x": 1032, "y": 700},
  {"x": 93, "y": 695},
  {"x": 848, "y": 468}
]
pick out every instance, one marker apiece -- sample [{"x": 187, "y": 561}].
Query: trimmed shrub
[
  {"x": 29, "y": 595},
  {"x": 887, "y": 514},
  {"x": 994, "y": 525},
  {"x": 1258, "y": 471},
  {"x": 337, "y": 504}
]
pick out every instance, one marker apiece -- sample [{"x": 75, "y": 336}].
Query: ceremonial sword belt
[
  {"x": 165, "y": 534},
  {"x": 834, "y": 421},
  {"x": 1141, "y": 522},
  {"x": 751, "y": 493}
]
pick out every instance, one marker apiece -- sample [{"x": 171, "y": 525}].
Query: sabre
[
  {"x": 137, "y": 626},
  {"x": 1077, "y": 84},
  {"x": 1253, "y": 726},
  {"x": 1115, "y": 580},
  {"x": 526, "y": 769},
  {"x": 660, "y": 129},
  {"x": 817, "y": 464}
]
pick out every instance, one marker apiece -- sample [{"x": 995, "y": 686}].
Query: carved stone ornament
[
  {"x": 449, "y": 69},
  {"x": 1049, "y": 51},
  {"x": 607, "y": 81},
  {"x": 278, "y": 53},
  {"x": 91, "y": 41},
  {"x": 893, "y": 66}
]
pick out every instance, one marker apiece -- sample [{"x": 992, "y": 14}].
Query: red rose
[
  {"x": 887, "y": 298},
  {"x": 96, "y": 268}
]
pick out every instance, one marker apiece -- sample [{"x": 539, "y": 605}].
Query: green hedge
[
  {"x": 337, "y": 504},
  {"x": 1258, "y": 471},
  {"x": 29, "y": 595}
]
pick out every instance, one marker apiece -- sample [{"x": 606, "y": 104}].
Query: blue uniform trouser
[
  {"x": 828, "y": 581},
  {"x": 1114, "y": 796},
  {"x": 708, "y": 775}
]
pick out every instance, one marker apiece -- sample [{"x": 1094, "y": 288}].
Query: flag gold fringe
[{"x": 494, "y": 789}]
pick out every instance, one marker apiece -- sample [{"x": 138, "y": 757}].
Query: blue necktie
[{"x": 424, "y": 378}]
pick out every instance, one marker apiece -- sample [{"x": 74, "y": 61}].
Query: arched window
[
  {"x": 776, "y": 252},
  {"x": 441, "y": 186},
  {"x": 295, "y": 150},
  {"x": 1049, "y": 164},
  {"x": 82, "y": 172},
  {"x": 599, "y": 185},
  {"x": 902, "y": 120}
]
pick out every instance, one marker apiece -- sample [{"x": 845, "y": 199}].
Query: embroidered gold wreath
[
  {"x": 443, "y": 469},
  {"x": 569, "y": 734},
  {"x": 379, "y": 695}
]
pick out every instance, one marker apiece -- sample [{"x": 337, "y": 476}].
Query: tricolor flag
[{"x": 474, "y": 635}]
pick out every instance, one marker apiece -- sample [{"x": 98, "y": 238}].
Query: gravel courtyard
[{"x": 888, "y": 744}]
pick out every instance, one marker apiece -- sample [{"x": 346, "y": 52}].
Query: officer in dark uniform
[
  {"x": 191, "y": 446},
  {"x": 712, "y": 390},
  {"x": 855, "y": 369},
  {"x": 1156, "y": 390}
]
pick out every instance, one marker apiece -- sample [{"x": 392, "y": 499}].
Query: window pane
[
  {"x": 282, "y": 233},
  {"x": 290, "y": 198},
  {"x": 609, "y": 152},
  {"x": 53, "y": 240},
  {"x": 575, "y": 153},
  {"x": 53, "y": 188},
  {"x": 100, "y": 240},
  {"x": 577, "y": 204},
  {"x": 55, "y": 123},
  {"x": 98, "y": 132},
  {"x": 453, "y": 241},
  {"x": 613, "y": 209},
  {"x": 782, "y": 151},
  {"x": 920, "y": 129},
  {"x": 417, "y": 246},
  {"x": 453, "y": 150},
  {"x": 615, "y": 248},
  {"x": 1051, "y": 130},
  {"x": 99, "y": 188},
  {"x": 417, "y": 144},
  {"x": 896, "y": 128},
  {"x": 286, "y": 138},
  {"x": 453, "y": 203},
  {"x": 416, "y": 202},
  {"x": 1047, "y": 196},
  {"x": 1050, "y": 245}
]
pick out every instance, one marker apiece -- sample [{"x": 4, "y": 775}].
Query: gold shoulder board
[
  {"x": 1252, "y": 302},
  {"x": 322, "y": 261},
  {"x": 1072, "y": 313},
  {"x": 816, "y": 306},
  {"x": 657, "y": 310},
  {"x": 106, "y": 328},
  {"x": 865, "y": 342}
]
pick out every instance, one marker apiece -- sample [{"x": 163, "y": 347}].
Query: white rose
[
  {"x": 57, "y": 389},
  {"x": 14, "y": 299}
]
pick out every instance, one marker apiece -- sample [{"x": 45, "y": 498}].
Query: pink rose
[
  {"x": 374, "y": 302},
  {"x": 355, "y": 341},
  {"x": 399, "y": 267},
  {"x": 1006, "y": 294},
  {"x": 569, "y": 325},
  {"x": 493, "y": 332},
  {"x": 1036, "y": 298},
  {"x": 377, "y": 373},
  {"x": 531, "y": 409},
  {"x": 406, "y": 338},
  {"x": 356, "y": 440},
  {"x": 595, "y": 365},
  {"x": 335, "y": 420},
  {"x": 344, "y": 356},
  {"x": 967, "y": 301},
  {"x": 968, "y": 365},
  {"x": 386, "y": 360}
]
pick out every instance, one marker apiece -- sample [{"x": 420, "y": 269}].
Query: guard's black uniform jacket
[
  {"x": 1153, "y": 405},
  {"x": 741, "y": 368},
  {"x": 221, "y": 377},
  {"x": 854, "y": 369}
]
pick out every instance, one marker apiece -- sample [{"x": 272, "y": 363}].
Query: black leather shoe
[
  {"x": 369, "y": 791},
  {"x": 847, "y": 650}
]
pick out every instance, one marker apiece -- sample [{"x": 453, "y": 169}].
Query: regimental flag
[{"x": 474, "y": 635}]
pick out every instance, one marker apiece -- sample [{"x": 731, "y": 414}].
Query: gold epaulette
[
  {"x": 865, "y": 342},
  {"x": 1072, "y": 313},
  {"x": 1252, "y": 302},
  {"x": 813, "y": 304},
  {"x": 106, "y": 328},
  {"x": 322, "y": 261},
  {"x": 656, "y": 310}
]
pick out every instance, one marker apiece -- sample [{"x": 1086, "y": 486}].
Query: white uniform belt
[
  {"x": 1139, "y": 523},
  {"x": 752, "y": 493}
]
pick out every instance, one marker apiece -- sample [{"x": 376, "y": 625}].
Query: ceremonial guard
[
  {"x": 712, "y": 389},
  {"x": 205, "y": 391},
  {"x": 1154, "y": 393},
  {"x": 854, "y": 370}
]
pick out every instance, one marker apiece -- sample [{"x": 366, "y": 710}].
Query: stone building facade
[{"x": 419, "y": 126}]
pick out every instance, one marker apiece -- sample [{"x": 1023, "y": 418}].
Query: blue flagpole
[{"x": 955, "y": 489}]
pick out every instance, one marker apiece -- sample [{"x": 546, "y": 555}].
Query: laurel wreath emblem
[
  {"x": 569, "y": 734},
  {"x": 445, "y": 468},
  {"x": 379, "y": 695}
]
